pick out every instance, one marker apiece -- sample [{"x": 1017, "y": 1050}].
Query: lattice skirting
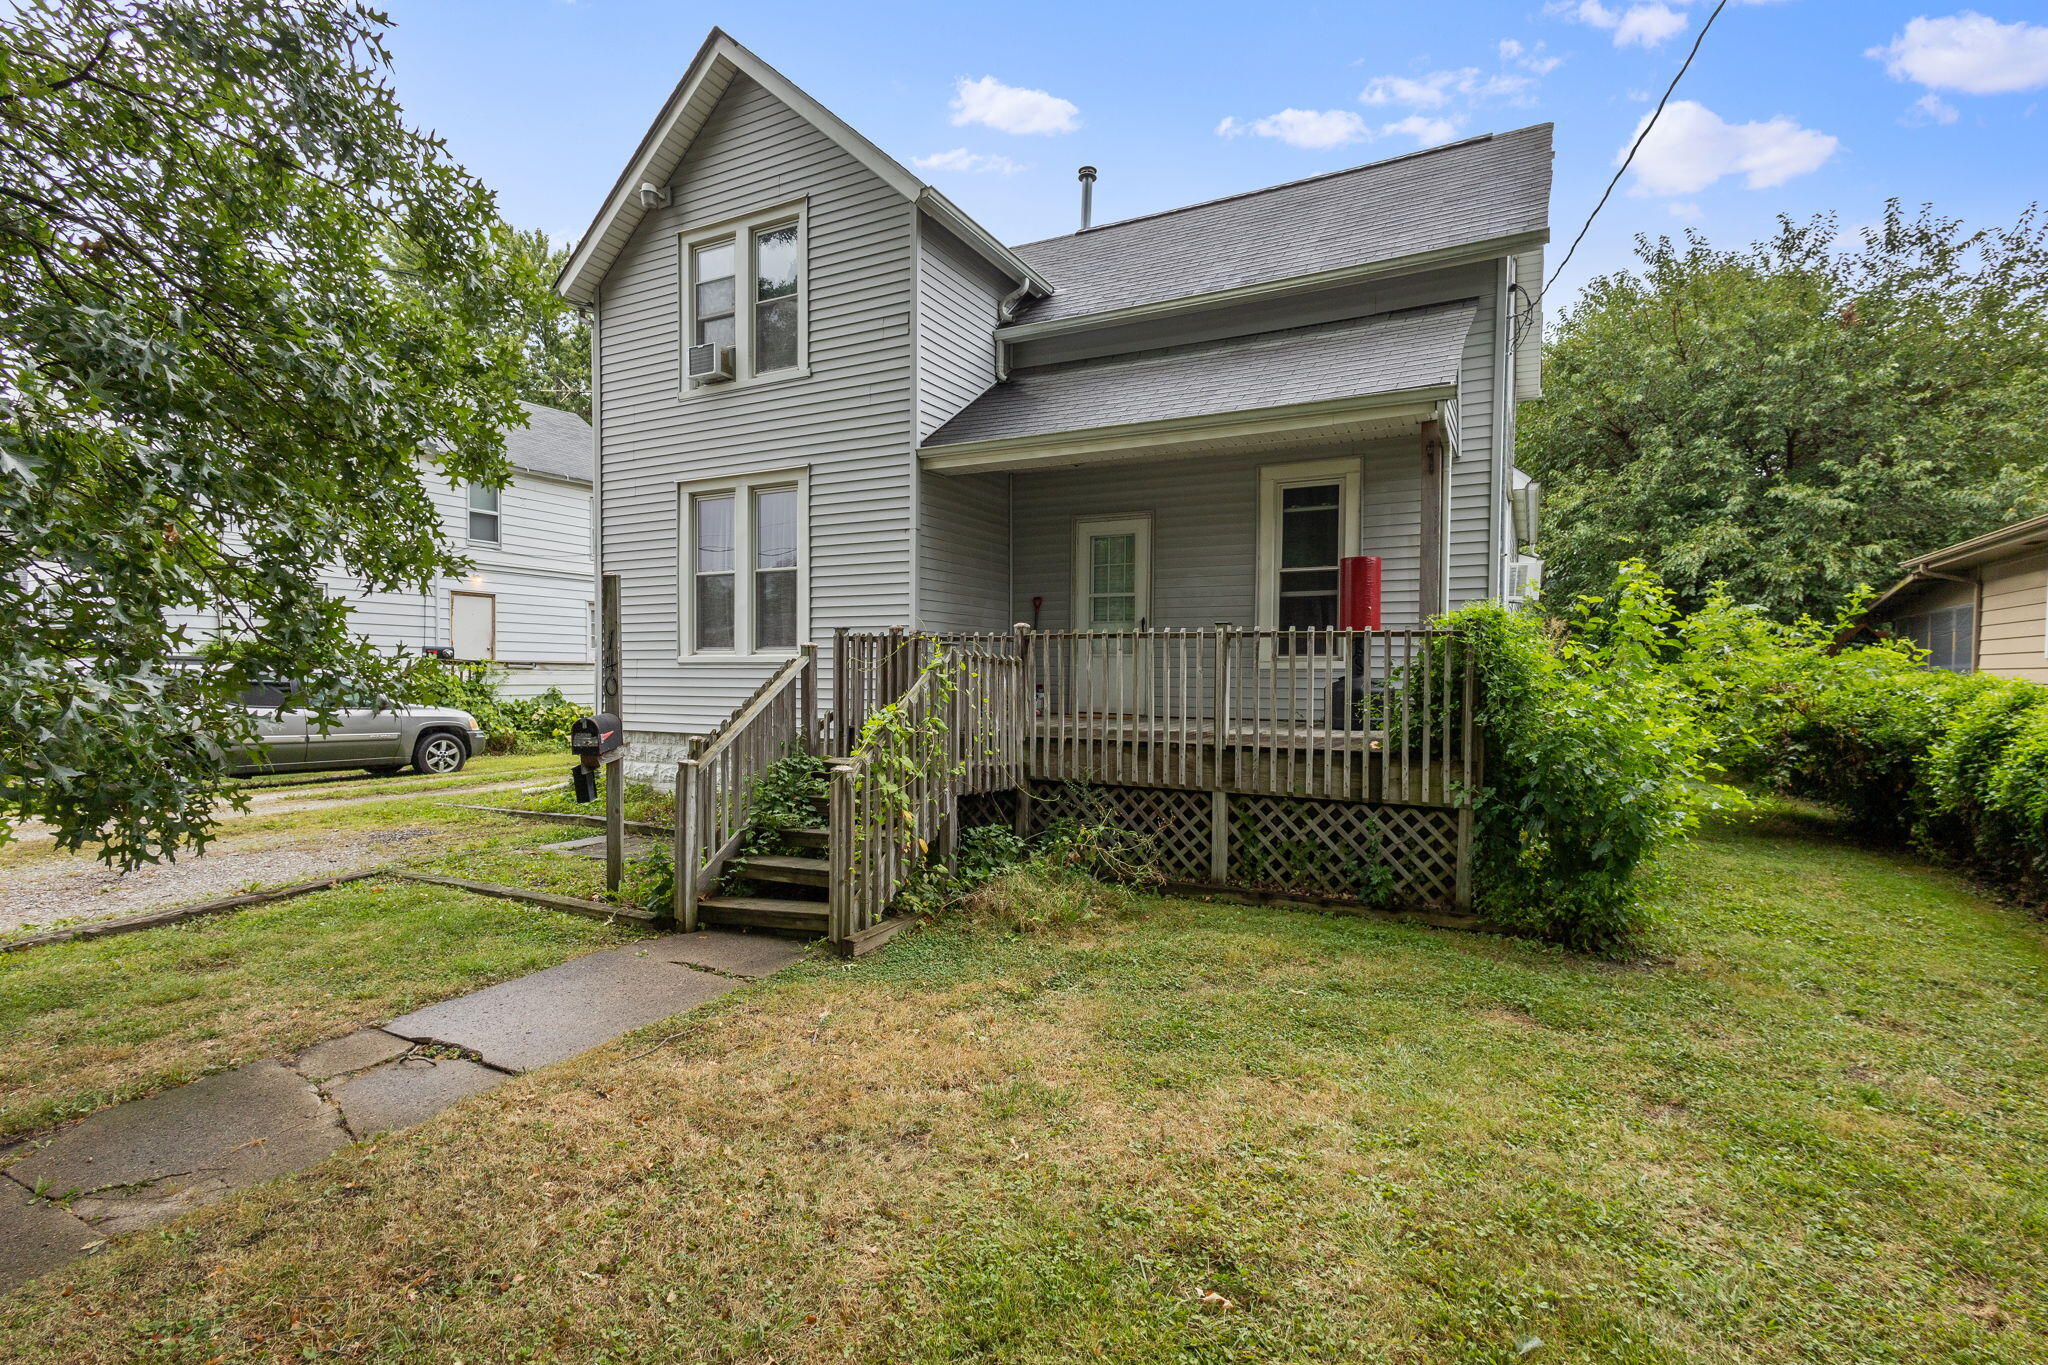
[{"x": 1389, "y": 855}]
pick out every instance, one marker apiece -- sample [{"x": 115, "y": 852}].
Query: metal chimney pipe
[{"x": 1087, "y": 196}]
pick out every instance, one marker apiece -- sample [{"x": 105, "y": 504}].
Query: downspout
[{"x": 1006, "y": 312}]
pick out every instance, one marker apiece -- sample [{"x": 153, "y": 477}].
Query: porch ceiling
[{"x": 1352, "y": 380}]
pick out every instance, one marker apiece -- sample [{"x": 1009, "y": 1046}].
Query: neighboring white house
[
  {"x": 528, "y": 602},
  {"x": 1176, "y": 420}
]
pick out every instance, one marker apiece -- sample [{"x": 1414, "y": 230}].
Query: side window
[
  {"x": 483, "y": 514},
  {"x": 266, "y": 696},
  {"x": 777, "y": 304}
]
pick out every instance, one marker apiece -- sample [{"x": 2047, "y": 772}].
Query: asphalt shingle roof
[
  {"x": 1473, "y": 191},
  {"x": 1390, "y": 352},
  {"x": 552, "y": 443}
]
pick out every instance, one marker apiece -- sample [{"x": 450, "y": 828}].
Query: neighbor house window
[
  {"x": 1308, "y": 523},
  {"x": 744, "y": 550},
  {"x": 1947, "y": 635},
  {"x": 745, "y": 289},
  {"x": 483, "y": 514}
]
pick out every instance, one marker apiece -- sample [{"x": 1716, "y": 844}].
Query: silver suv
[{"x": 433, "y": 739}]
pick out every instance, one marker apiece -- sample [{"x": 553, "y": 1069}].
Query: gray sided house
[
  {"x": 829, "y": 406},
  {"x": 927, "y": 429}
]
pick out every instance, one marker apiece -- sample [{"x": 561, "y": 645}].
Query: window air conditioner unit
[{"x": 709, "y": 364}]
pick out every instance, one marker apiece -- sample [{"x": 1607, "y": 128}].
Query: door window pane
[
  {"x": 1113, "y": 581},
  {"x": 775, "y": 299},
  {"x": 1311, "y": 544},
  {"x": 711, "y": 309}
]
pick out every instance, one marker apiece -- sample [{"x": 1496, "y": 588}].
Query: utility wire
[{"x": 1654, "y": 116}]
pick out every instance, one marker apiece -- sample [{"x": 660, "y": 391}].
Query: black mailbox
[{"x": 593, "y": 738}]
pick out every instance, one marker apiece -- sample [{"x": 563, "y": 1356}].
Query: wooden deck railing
[
  {"x": 1343, "y": 715},
  {"x": 957, "y": 729},
  {"x": 715, "y": 786}
]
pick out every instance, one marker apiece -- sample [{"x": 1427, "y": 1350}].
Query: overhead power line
[{"x": 1656, "y": 114}]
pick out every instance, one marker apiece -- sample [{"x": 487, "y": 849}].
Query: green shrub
[
  {"x": 538, "y": 724},
  {"x": 1597, "y": 754}
]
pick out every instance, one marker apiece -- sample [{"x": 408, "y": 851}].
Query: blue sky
[{"x": 1794, "y": 106}]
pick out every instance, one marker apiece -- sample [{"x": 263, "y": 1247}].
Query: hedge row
[{"x": 511, "y": 722}]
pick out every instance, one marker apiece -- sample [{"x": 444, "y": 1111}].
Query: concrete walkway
[{"x": 140, "y": 1164}]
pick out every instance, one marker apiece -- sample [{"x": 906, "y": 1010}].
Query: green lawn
[
  {"x": 1812, "y": 1125},
  {"x": 96, "y": 1021}
]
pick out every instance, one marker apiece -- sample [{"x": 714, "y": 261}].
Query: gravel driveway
[{"x": 84, "y": 889}]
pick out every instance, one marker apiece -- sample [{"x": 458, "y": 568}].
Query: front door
[{"x": 1112, "y": 595}]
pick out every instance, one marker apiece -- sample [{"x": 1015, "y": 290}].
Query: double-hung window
[
  {"x": 744, "y": 288},
  {"x": 483, "y": 514},
  {"x": 1308, "y": 523},
  {"x": 744, "y": 588}
]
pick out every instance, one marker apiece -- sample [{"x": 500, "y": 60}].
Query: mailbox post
[{"x": 610, "y": 688}]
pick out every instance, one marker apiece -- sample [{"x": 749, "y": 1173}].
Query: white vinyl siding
[
  {"x": 1205, "y": 532},
  {"x": 956, "y": 319},
  {"x": 539, "y": 575},
  {"x": 1475, "y": 517},
  {"x": 850, "y": 423},
  {"x": 964, "y": 552}
]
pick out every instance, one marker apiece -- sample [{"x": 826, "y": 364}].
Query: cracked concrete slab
[
  {"x": 748, "y": 955},
  {"x": 399, "y": 1094},
  {"x": 37, "y": 1236},
  {"x": 143, "y": 1163},
  {"x": 553, "y": 1015},
  {"x": 356, "y": 1051}
]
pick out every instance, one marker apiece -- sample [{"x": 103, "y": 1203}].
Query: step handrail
[{"x": 715, "y": 784}]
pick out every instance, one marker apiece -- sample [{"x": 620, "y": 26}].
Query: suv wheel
[{"x": 439, "y": 752}]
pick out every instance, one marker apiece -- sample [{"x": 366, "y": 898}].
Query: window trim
[
  {"x": 741, "y": 231},
  {"x": 496, "y": 514},
  {"x": 742, "y": 490},
  {"x": 1138, "y": 524},
  {"x": 1349, "y": 473}
]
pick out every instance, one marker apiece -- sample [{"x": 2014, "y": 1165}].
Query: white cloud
[
  {"x": 1439, "y": 88},
  {"x": 1686, "y": 211},
  {"x": 1932, "y": 108},
  {"x": 1427, "y": 132},
  {"x": 960, "y": 159},
  {"x": 1692, "y": 147},
  {"x": 1645, "y": 23},
  {"x": 1532, "y": 59},
  {"x": 1641, "y": 23},
  {"x": 1968, "y": 52},
  {"x": 1311, "y": 128},
  {"x": 1011, "y": 109}
]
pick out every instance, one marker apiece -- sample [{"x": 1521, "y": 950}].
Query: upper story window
[
  {"x": 744, "y": 293},
  {"x": 483, "y": 514}
]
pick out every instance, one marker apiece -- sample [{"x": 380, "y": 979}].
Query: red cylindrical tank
[{"x": 1358, "y": 592}]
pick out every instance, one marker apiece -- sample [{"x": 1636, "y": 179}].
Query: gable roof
[
  {"x": 1418, "y": 349},
  {"x": 553, "y": 443},
  {"x": 665, "y": 144},
  {"x": 1484, "y": 191}
]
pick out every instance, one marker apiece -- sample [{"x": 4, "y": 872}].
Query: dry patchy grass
[{"x": 1812, "y": 1130}]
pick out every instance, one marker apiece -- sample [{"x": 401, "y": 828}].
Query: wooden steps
[
  {"x": 820, "y": 839},
  {"x": 762, "y": 912},
  {"x": 786, "y": 871}
]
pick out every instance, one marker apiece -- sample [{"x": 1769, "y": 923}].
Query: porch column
[{"x": 1432, "y": 455}]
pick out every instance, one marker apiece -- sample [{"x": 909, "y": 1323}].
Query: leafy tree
[
  {"x": 1795, "y": 418},
  {"x": 211, "y": 385},
  {"x": 554, "y": 337}
]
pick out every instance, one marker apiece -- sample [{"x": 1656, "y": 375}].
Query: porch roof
[{"x": 1414, "y": 353}]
